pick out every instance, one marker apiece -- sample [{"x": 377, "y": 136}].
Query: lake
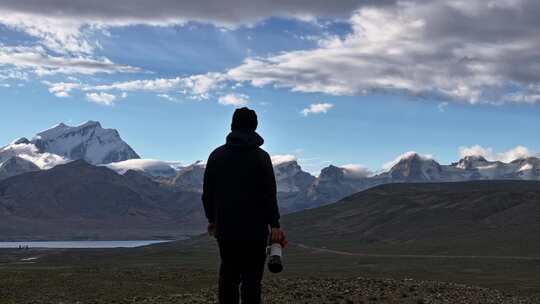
[{"x": 80, "y": 244}]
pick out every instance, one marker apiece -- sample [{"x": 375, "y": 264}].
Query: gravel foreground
[{"x": 357, "y": 290}]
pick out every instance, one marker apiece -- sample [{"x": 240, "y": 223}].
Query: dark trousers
[{"x": 241, "y": 271}]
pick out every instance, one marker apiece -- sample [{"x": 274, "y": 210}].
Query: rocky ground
[
  {"x": 356, "y": 291},
  {"x": 169, "y": 273}
]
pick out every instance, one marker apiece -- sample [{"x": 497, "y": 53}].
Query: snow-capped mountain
[
  {"x": 297, "y": 189},
  {"x": 61, "y": 144},
  {"x": 27, "y": 150},
  {"x": 526, "y": 168},
  {"x": 472, "y": 162},
  {"x": 477, "y": 167},
  {"x": 88, "y": 141},
  {"x": 332, "y": 184}
]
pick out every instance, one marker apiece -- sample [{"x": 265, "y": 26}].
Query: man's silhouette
[{"x": 239, "y": 198}]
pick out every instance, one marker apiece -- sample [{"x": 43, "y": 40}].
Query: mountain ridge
[{"x": 297, "y": 189}]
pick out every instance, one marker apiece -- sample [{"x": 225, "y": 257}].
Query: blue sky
[{"x": 361, "y": 85}]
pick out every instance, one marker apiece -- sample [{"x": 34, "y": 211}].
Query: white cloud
[
  {"x": 37, "y": 60},
  {"x": 456, "y": 50},
  {"x": 58, "y": 34},
  {"x": 236, "y": 100},
  {"x": 166, "y": 96},
  {"x": 62, "y": 89},
  {"x": 442, "y": 48},
  {"x": 282, "y": 158},
  {"x": 356, "y": 171},
  {"x": 195, "y": 86},
  {"x": 530, "y": 97},
  {"x": 101, "y": 98},
  {"x": 488, "y": 153},
  {"x": 151, "y": 85},
  {"x": 69, "y": 26},
  {"x": 13, "y": 74},
  {"x": 62, "y": 94},
  {"x": 387, "y": 166},
  {"x": 31, "y": 153},
  {"x": 145, "y": 165},
  {"x": 317, "y": 108},
  {"x": 442, "y": 106}
]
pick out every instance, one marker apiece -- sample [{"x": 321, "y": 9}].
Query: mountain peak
[
  {"x": 412, "y": 166},
  {"x": 472, "y": 162},
  {"x": 406, "y": 158},
  {"x": 278, "y": 160},
  {"x": 475, "y": 158},
  {"x": 88, "y": 141},
  {"x": 61, "y": 128},
  {"x": 91, "y": 123},
  {"x": 331, "y": 173},
  {"x": 411, "y": 155},
  {"x": 20, "y": 140}
]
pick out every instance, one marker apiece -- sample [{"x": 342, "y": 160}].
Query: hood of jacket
[{"x": 244, "y": 139}]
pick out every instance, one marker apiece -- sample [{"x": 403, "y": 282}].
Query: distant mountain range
[
  {"x": 104, "y": 149},
  {"x": 298, "y": 190}
]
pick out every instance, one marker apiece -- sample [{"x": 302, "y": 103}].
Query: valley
[{"x": 388, "y": 244}]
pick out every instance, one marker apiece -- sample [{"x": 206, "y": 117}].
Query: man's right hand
[{"x": 212, "y": 229}]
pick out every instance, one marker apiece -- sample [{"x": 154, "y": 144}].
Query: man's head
[{"x": 245, "y": 119}]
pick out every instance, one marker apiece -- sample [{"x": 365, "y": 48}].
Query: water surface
[{"x": 80, "y": 244}]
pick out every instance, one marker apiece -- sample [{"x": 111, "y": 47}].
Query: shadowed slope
[
  {"x": 466, "y": 218},
  {"x": 78, "y": 200}
]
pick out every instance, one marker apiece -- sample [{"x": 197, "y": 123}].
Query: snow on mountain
[
  {"x": 24, "y": 149},
  {"x": 477, "y": 167},
  {"x": 280, "y": 159},
  {"x": 153, "y": 167},
  {"x": 297, "y": 189},
  {"x": 472, "y": 162},
  {"x": 88, "y": 141},
  {"x": 526, "y": 168}
]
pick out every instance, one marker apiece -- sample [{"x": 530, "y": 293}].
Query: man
[{"x": 239, "y": 198}]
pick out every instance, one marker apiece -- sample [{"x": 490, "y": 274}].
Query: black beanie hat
[{"x": 244, "y": 118}]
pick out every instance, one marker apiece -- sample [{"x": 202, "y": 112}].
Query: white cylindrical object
[{"x": 275, "y": 250}]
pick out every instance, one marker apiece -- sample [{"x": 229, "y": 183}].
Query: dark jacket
[{"x": 239, "y": 192}]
